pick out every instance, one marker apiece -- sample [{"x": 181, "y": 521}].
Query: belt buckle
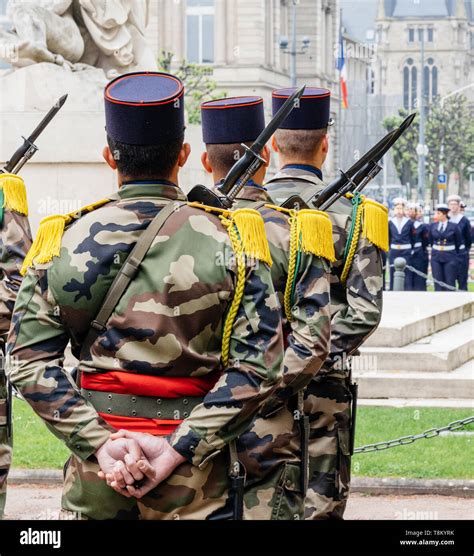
[
  {"x": 399, "y": 247},
  {"x": 441, "y": 247}
]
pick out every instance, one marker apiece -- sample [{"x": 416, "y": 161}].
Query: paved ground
[{"x": 43, "y": 502}]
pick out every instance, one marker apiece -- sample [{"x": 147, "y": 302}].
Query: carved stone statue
[{"x": 78, "y": 34}]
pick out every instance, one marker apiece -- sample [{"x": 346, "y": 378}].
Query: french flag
[{"x": 341, "y": 66}]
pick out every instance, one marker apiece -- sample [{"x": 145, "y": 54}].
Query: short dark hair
[
  {"x": 146, "y": 161},
  {"x": 300, "y": 143},
  {"x": 223, "y": 156}
]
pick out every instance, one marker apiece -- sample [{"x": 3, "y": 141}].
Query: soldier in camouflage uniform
[
  {"x": 272, "y": 451},
  {"x": 15, "y": 240},
  {"x": 192, "y": 349},
  {"x": 356, "y": 302}
]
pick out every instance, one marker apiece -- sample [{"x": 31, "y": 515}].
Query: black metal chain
[
  {"x": 430, "y": 280},
  {"x": 430, "y": 433}
]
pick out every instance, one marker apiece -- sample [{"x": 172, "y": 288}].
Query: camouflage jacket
[
  {"x": 356, "y": 306},
  {"x": 168, "y": 322},
  {"x": 308, "y": 333}
]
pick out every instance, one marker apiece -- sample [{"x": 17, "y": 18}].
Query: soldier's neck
[
  {"x": 123, "y": 180},
  {"x": 258, "y": 178},
  {"x": 316, "y": 162}
]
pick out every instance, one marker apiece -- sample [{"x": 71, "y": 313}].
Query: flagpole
[{"x": 339, "y": 127}]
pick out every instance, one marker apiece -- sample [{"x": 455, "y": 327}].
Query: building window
[
  {"x": 200, "y": 31},
  {"x": 434, "y": 82},
  {"x": 414, "y": 89},
  {"x": 426, "y": 83},
  {"x": 370, "y": 80},
  {"x": 430, "y": 34},
  {"x": 430, "y": 89},
  {"x": 411, "y": 35},
  {"x": 406, "y": 87},
  {"x": 410, "y": 81}
]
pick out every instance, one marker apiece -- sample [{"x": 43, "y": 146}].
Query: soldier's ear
[
  {"x": 266, "y": 155},
  {"x": 184, "y": 154},
  {"x": 205, "y": 162},
  {"x": 109, "y": 158},
  {"x": 325, "y": 144},
  {"x": 275, "y": 144}
]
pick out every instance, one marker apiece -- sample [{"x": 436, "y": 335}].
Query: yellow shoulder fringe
[
  {"x": 250, "y": 227},
  {"x": 375, "y": 223},
  {"x": 313, "y": 231},
  {"x": 47, "y": 243},
  {"x": 14, "y": 193},
  {"x": 310, "y": 232}
]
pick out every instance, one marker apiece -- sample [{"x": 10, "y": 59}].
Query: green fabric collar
[{"x": 161, "y": 190}]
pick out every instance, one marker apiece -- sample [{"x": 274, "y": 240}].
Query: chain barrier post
[
  {"x": 399, "y": 274},
  {"x": 431, "y": 280}
]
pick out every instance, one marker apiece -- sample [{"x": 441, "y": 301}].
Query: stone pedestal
[{"x": 68, "y": 171}]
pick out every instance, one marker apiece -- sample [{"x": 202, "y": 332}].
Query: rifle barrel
[{"x": 363, "y": 168}]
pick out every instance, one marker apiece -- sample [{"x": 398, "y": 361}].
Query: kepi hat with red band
[
  {"x": 232, "y": 120},
  {"x": 312, "y": 112},
  {"x": 145, "y": 108}
]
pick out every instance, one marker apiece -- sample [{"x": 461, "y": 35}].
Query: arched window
[
  {"x": 434, "y": 82},
  {"x": 406, "y": 87},
  {"x": 430, "y": 89},
  {"x": 414, "y": 90},
  {"x": 410, "y": 82}
]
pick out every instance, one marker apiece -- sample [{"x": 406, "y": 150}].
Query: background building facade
[
  {"x": 447, "y": 30},
  {"x": 241, "y": 41}
]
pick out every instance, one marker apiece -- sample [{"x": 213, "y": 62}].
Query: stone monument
[{"x": 56, "y": 47}]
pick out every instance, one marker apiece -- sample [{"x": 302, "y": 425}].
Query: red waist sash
[{"x": 147, "y": 385}]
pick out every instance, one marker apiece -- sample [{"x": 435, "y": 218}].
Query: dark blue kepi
[
  {"x": 145, "y": 108},
  {"x": 232, "y": 120},
  {"x": 313, "y": 111}
]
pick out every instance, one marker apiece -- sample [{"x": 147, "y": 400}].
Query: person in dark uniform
[
  {"x": 446, "y": 240},
  {"x": 457, "y": 217},
  {"x": 400, "y": 230},
  {"x": 419, "y": 256}
]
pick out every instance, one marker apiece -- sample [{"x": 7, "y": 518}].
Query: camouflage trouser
[
  {"x": 189, "y": 493},
  {"x": 90, "y": 497},
  {"x": 327, "y": 402},
  {"x": 270, "y": 454},
  {"x": 192, "y": 493},
  {"x": 5, "y": 443}
]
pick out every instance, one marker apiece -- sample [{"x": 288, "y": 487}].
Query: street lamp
[{"x": 294, "y": 51}]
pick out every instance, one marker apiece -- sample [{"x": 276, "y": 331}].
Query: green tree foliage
[
  {"x": 198, "y": 83},
  {"x": 448, "y": 124},
  {"x": 404, "y": 150}
]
